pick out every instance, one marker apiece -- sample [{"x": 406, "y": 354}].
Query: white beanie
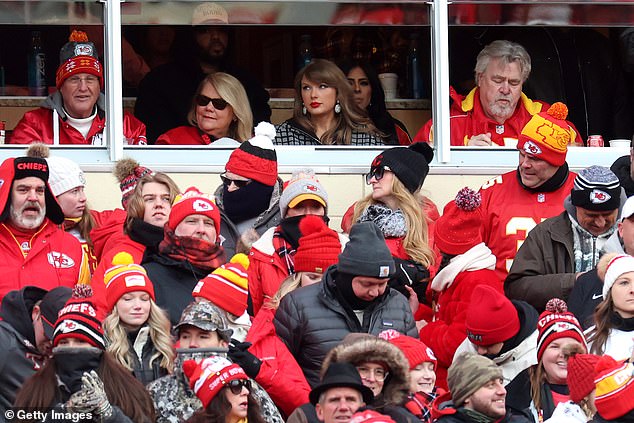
[
  {"x": 64, "y": 175},
  {"x": 620, "y": 264}
]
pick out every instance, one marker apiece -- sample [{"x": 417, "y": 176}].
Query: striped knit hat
[
  {"x": 78, "y": 55},
  {"x": 614, "y": 396},
  {"x": 547, "y": 135},
  {"x": 78, "y": 319},
  {"x": 210, "y": 376},
  {"x": 256, "y": 158},
  {"x": 596, "y": 188},
  {"x": 125, "y": 276},
  {"x": 557, "y": 322},
  {"x": 227, "y": 286}
]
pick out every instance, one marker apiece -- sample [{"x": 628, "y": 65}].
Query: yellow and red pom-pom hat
[{"x": 78, "y": 55}]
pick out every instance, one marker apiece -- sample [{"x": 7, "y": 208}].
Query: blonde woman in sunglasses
[{"x": 220, "y": 114}]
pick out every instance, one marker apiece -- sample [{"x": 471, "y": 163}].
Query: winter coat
[
  {"x": 142, "y": 352},
  {"x": 109, "y": 233},
  {"x": 291, "y": 133},
  {"x": 279, "y": 374},
  {"x": 267, "y": 270},
  {"x": 622, "y": 168},
  {"x": 567, "y": 412},
  {"x": 19, "y": 356},
  {"x": 518, "y": 354},
  {"x": 230, "y": 236},
  {"x": 192, "y": 135},
  {"x": 56, "y": 259},
  {"x": 37, "y": 125},
  {"x": 311, "y": 321},
  {"x": 444, "y": 411},
  {"x": 620, "y": 342},
  {"x": 585, "y": 297}
]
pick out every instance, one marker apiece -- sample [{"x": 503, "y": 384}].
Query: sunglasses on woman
[
  {"x": 203, "y": 101},
  {"x": 240, "y": 183},
  {"x": 237, "y": 384},
  {"x": 376, "y": 173}
]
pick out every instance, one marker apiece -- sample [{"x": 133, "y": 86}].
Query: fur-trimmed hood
[{"x": 368, "y": 348}]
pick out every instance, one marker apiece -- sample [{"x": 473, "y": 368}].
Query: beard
[
  {"x": 502, "y": 111},
  {"x": 28, "y": 222}
]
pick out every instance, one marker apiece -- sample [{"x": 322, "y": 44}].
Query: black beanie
[
  {"x": 366, "y": 254},
  {"x": 596, "y": 188},
  {"x": 409, "y": 164}
]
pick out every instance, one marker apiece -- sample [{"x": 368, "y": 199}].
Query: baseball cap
[
  {"x": 628, "y": 209},
  {"x": 205, "y": 316},
  {"x": 51, "y": 304}
]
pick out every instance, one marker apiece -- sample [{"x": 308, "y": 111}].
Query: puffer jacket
[
  {"x": 146, "y": 360},
  {"x": 290, "y": 133},
  {"x": 444, "y": 411},
  {"x": 312, "y": 321}
]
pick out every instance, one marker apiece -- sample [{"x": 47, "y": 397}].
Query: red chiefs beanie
[
  {"x": 458, "y": 229},
  {"x": 580, "y": 379},
  {"x": 125, "y": 276},
  {"x": 556, "y": 322},
  {"x": 78, "y": 319},
  {"x": 256, "y": 158},
  {"x": 191, "y": 202},
  {"x": 370, "y": 416},
  {"x": 227, "y": 286},
  {"x": 614, "y": 381},
  {"x": 491, "y": 317},
  {"x": 415, "y": 351},
  {"x": 209, "y": 376},
  {"x": 78, "y": 55},
  {"x": 319, "y": 246}
]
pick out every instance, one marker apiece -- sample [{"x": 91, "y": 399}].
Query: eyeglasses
[
  {"x": 203, "y": 100},
  {"x": 89, "y": 80},
  {"x": 379, "y": 373},
  {"x": 237, "y": 384},
  {"x": 376, "y": 173},
  {"x": 239, "y": 183}
]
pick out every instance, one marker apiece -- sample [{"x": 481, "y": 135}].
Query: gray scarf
[{"x": 391, "y": 222}]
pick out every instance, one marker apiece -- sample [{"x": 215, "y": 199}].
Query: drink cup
[
  {"x": 620, "y": 143},
  {"x": 389, "y": 84}
]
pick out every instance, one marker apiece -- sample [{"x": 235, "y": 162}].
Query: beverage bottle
[
  {"x": 305, "y": 51},
  {"x": 2, "y": 131},
  {"x": 413, "y": 76},
  {"x": 37, "y": 66}
]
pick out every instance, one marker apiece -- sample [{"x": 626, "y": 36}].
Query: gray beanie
[
  {"x": 468, "y": 373},
  {"x": 366, "y": 254},
  {"x": 303, "y": 185},
  {"x": 596, "y": 188}
]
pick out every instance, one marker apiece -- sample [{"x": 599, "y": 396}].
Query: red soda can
[{"x": 595, "y": 141}]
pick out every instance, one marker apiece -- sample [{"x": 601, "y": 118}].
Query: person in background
[
  {"x": 614, "y": 395},
  {"x": 34, "y": 250},
  {"x": 224, "y": 390},
  {"x": 219, "y": 115},
  {"x": 250, "y": 192},
  {"x": 165, "y": 94},
  {"x": 622, "y": 168},
  {"x": 82, "y": 377},
  {"x": 368, "y": 94},
  {"x": 325, "y": 112},
  {"x": 75, "y": 113},
  {"x": 612, "y": 333},
  {"x": 495, "y": 112},
  {"x": 136, "y": 329},
  {"x": 515, "y": 202},
  {"x": 556, "y": 328},
  {"x": 26, "y": 332},
  {"x": 559, "y": 249}
]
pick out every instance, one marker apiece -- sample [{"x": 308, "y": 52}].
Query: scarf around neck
[
  {"x": 71, "y": 363},
  {"x": 145, "y": 233},
  {"x": 198, "y": 252},
  {"x": 391, "y": 222},
  {"x": 587, "y": 247},
  {"x": 477, "y": 258}
]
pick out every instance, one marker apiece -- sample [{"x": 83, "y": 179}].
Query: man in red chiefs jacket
[{"x": 33, "y": 249}]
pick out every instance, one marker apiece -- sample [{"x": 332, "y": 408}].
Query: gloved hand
[
  {"x": 81, "y": 401},
  {"x": 239, "y": 354},
  {"x": 410, "y": 273},
  {"x": 91, "y": 383}
]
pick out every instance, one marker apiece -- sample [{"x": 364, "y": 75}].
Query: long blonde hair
[
  {"x": 290, "y": 284},
  {"x": 159, "y": 325},
  {"x": 416, "y": 241}
]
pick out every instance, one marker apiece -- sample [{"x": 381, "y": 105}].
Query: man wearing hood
[
  {"x": 75, "y": 113},
  {"x": 33, "y": 249},
  {"x": 26, "y": 330},
  {"x": 504, "y": 331},
  {"x": 560, "y": 249},
  {"x": 353, "y": 297}
]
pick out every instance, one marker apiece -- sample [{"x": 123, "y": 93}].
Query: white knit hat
[
  {"x": 622, "y": 263},
  {"x": 64, "y": 175}
]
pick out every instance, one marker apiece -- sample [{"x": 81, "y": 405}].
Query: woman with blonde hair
[
  {"x": 220, "y": 109},
  {"x": 137, "y": 330},
  {"x": 325, "y": 112},
  {"x": 613, "y": 330}
]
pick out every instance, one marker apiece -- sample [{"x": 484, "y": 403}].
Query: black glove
[
  {"x": 239, "y": 354},
  {"x": 413, "y": 274}
]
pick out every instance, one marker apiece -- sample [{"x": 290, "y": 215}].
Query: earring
[
  {"x": 337, "y": 108},
  {"x": 304, "y": 111}
]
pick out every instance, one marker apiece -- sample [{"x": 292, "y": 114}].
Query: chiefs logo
[
  {"x": 68, "y": 326},
  {"x": 430, "y": 353},
  {"x": 202, "y": 206},
  {"x": 599, "y": 197},
  {"x": 83, "y": 50},
  {"x": 377, "y": 161},
  {"x": 311, "y": 188},
  {"x": 531, "y": 148},
  {"x": 60, "y": 260}
]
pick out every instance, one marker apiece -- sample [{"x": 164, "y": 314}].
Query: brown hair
[
  {"x": 598, "y": 336},
  {"x": 136, "y": 206},
  {"x": 219, "y": 407}
]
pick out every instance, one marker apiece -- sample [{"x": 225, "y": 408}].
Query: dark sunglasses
[
  {"x": 203, "y": 100},
  {"x": 237, "y": 384},
  {"x": 237, "y": 182},
  {"x": 376, "y": 173}
]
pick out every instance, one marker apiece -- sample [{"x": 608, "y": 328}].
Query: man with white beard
[
  {"x": 496, "y": 110},
  {"x": 34, "y": 250}
]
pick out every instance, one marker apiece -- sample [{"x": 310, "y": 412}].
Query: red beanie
[
  {"x": 459, "y": 227},
  {"x": 614, "y": 396},
  {"x": 370, "y": 416},
  {"x": 555, "y": 323},
  {"x": 319, "y": 246},
  {"x": 193, "y": 202},
  {"x": 209, "y": 376},
  {"x": 491, "y": 317},
  {"x": 78, "y": 55},
  {"x": 581, "y": 374},
  {"x": 78, "y": 319},
  {"x": 415, "y": 351},
  {"x": 227, "y": 286},
  {"x": 256, "y": 158},
  {"x": 125, "y": 276}
]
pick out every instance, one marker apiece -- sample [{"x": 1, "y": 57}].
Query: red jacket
[
  {"x": 280, "y": 375},
  {"x": 109, "y": 232},
  {"x": 37, "y": 125},
  {"x": 468, "y": 119},
  {"x": 185, "y": 135},
  {"x": 55, "y": 259}
]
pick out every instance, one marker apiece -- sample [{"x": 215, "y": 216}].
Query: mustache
[{"x": 31, "y": 204}]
